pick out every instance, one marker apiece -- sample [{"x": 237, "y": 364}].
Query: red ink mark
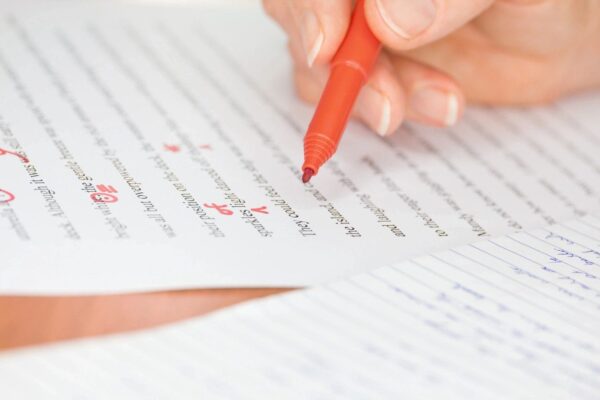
[
  {"x": 173, "y": 148},
  {"x": 205, "y": 146},
  {"x": 106, "y": 189},
  {"x": 6, "y": 197},
  {"x": 12, "y": 153},
  {"x": 222, "y": 209},
  {"x": 104, "y": 194},
  {"x": 262, "y": 210},
  {"x": 104, "y": 198}
]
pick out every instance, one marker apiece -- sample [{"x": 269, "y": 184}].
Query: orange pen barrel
[
  {"x": 325, "y": 132},
  {"x": 350, "y": 70}
]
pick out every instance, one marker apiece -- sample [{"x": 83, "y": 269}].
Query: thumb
[{"x": 406, "y": 24}]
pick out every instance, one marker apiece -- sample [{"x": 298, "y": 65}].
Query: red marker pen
[{"x": 350, "y": 70}]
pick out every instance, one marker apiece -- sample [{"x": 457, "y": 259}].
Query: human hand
[{"x": 439, "y": 53}]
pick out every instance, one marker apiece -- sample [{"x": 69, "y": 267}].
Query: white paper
[
  {"x": 123, "y": 126},
  {"x": 510, "y": 318}
]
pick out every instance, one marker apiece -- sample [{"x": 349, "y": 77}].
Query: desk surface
[{"x": 27, "y": 321}]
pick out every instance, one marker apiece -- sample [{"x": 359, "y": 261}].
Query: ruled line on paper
[{"x": 459, "y": 323}]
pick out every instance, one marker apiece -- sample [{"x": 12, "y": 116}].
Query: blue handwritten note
[{"x": 513, "y": 317}]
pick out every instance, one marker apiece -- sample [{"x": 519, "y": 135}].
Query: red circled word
[
  {"x": 12, "y": 153},
  {"x": 6, "y": 196},
  {"x": 104, "y": 194},
  {"x": 104, "y": 198}
]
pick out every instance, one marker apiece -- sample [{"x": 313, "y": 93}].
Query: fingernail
[
  {"x": 376, "y": 110},
  {"x": 407, "y": 18},
  {"x": 311, "y": 35},
  {"x": 435, "y": 104}
]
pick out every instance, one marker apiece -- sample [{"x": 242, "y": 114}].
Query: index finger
[{"x": 318, "y": 26}]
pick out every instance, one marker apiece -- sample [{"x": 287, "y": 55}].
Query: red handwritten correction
[
  {"x": 173, "y": 148},
  {"x": 222, "y": 209},
  {"x": 105, "y": 194},
  {"x": 6, "y": 196},
  {"x": 12, "y": 153}
]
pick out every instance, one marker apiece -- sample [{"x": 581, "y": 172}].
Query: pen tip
[{"x": 308, "y": 173}]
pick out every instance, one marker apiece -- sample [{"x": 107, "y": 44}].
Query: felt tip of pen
[{"x": 308, "y": 173}]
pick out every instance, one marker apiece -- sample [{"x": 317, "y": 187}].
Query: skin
[{"x": 440, "y": 54}]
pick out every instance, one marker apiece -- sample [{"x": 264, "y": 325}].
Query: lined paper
[{"x": 513, "y": 317}]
